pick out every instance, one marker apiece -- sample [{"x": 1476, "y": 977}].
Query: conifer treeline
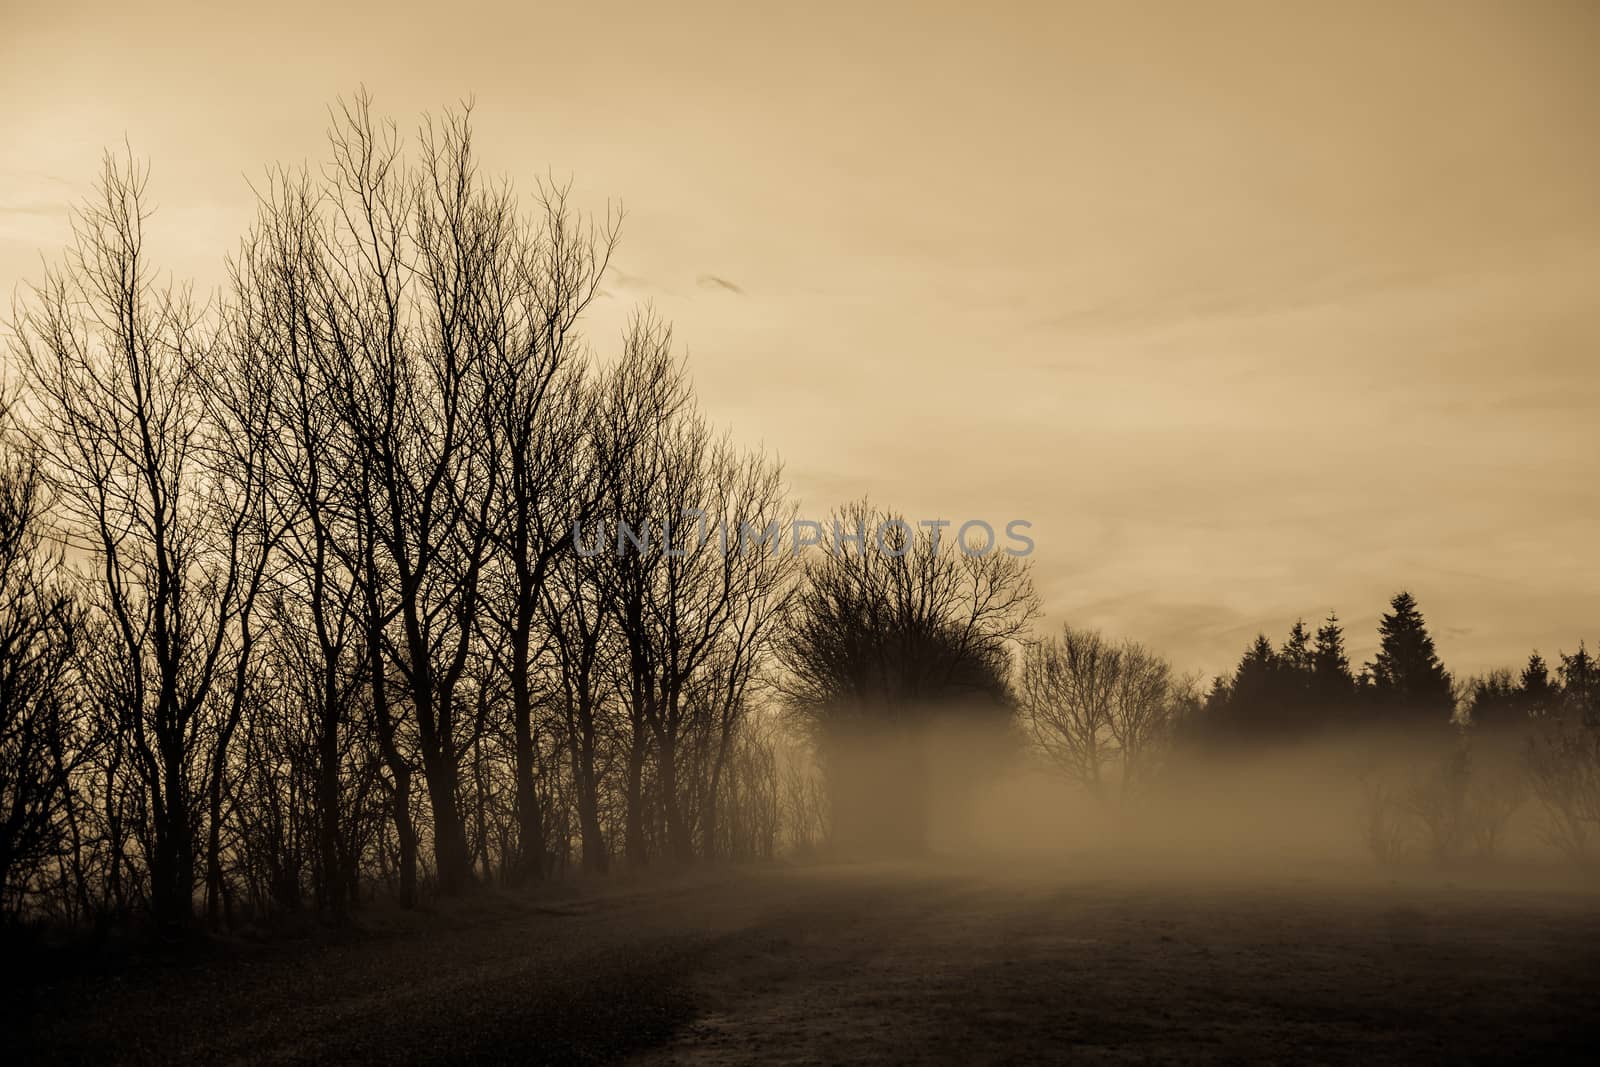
[{"x": 1308, "y": 685}]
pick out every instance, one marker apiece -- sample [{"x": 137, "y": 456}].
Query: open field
[{"x": 901, "y": 964}]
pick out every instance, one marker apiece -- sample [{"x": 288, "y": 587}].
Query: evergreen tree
[
  {"x": 1494, "y": 701},
  {"x": 1219, "y": 697},
  {"x": 1294, "y": 704},
  {"x": 1331, "y": 680},
  {"x": 1580, "y": 686},
  {"x": 1296, "y": 655},
  {"x": 1536, "y": 694},
  {"x": 1254, "y": 695},
  {"x": 1407, "y": 678}
]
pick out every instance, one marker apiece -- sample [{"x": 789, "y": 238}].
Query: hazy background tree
[
  {"x": 1102, "y": 712},
  {"x": 1333, "y": 686},
  {"x": 1564, "y": 754},
  {"x": 876, "y": 643},
  {"x": 1409, "y": 683}
]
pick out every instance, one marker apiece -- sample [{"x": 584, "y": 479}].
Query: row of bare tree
[{"x": 293, "y": 595}]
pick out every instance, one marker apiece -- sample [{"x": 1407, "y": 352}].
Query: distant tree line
[
  {"x": 1471, "y": 752},
  {"x": 1307, "y": 683},
  {"x": 1111, "y": 714}
]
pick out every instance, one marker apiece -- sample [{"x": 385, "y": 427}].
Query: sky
[{"x": 1255, "y": 311}]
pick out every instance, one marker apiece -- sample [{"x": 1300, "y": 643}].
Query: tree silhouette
[
  {"x": 1102, "y": 712},
  {"x": 1296, "y": 698},
  {"x": 1538, "y": 692},
  {"x": 1494, "y": 701},
  {"x": 877, "y": 641},
  {"x": 1580, "y": 687},
  {"x": 137, "y": 417},
  {"x": 1254, "y": 699},
  {"x": 1409, "y": 682},
  {"x": 1332, "y": 683},
  {"x": 43, "y": 731}
]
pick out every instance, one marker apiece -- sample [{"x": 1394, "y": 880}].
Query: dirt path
[{"x": 818, "y": 966}]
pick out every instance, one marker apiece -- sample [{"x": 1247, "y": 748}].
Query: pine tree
[
  {"x": 1296, "y": 652},
  {"x": 1294, "y": 707},
  {"x": 1254, "y": 697},
  {"x": 1580, "y": 686},
  {"x": 1494, "y": 701},
  {"x": 1219, "y": 696},
  {"x": 1408, "y": 680},
  {"x": 1296, "y": 656},
  {"x": 1536, "y": 694},
  {"x": 1332, "y": 684}
]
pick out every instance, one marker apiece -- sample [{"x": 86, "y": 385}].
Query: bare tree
[
  {"x": 279, "y": 294},
  {"x": 412, "y": 265},
  {"x": 644, "y": 388},
  {"x": 42, "y": 730},
  {"x": 643, "y": 409},
  {"x": 120, "y": 369},
  {"x": 542, "y": 411},
  {"x": 1564, "y": 774},
  {"x": 1067, "y": 690},
  {"x": 1102, "y": 712},
  {"x": 703, "y": 607},
  {"x": 753, "y": 584}
]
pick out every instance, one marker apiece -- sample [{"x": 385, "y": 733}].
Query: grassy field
[{"x": 900, "y": 964}]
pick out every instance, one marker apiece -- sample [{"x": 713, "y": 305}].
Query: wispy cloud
[
  {"x": 623, "y": 280},
  {"x": 711, "y": 281}
]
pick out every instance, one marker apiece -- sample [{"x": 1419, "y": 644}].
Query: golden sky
[{"x": 1254, "y": 310}]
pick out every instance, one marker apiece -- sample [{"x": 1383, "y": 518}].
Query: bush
[
  {"x": 1564, "y": 770},
  {"x": 1451, "y": 811}
]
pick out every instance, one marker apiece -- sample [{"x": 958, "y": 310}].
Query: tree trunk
[
  {"x": 678, "y": 841},
  {"x": 452, "y": 859},
  {"x": 406, "y": 834},
  {"x": 596, "y": 857},
  {"x": 331, "y": 884},
  {"x": 214, "y": 886},
  {"x": 634, "y": 846},
  {"x": 530, "y": 816},
  {"x": 172, "y": 864}
]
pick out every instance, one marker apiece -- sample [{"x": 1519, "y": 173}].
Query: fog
[{"x": 957, "y": 792}]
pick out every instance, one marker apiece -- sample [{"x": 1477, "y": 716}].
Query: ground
[{"x": 900, "y": 964}]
